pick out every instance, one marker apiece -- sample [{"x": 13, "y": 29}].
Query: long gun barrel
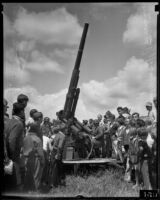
[{"x": 73, "y": 91}]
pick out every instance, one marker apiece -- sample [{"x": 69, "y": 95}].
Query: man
[
  {"x": 5, "y": 107},
  {"x": 119, "y": 134},
  {"x": 120, "y": 112},
  {"x": 57, "y": 173},
  {"x": 108, "y": 124},
  {"x": 46, "y": 127},
  {"x": 23, "y": 100},
  {"x": 14, "y": 133},
  {"x": 135, "y": 116},
  {"x": 144, "y": 157},
  {"x": 99, "y": 117},
  {"x": 38, "y": 118},
  {"x": 30, "y": 119},
  {"x": 90, "y": 123},
  {"x": 34, "y": 156},
  {"x": 98, "y": 139},
  {"x": 85, "y": 122},
  {"x": 8, "y": 164},
  {"x": 150, "y": 112}
]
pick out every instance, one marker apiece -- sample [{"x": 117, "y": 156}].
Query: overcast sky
[{"x": 118, "y": 66}]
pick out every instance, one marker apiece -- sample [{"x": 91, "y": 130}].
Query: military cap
[
  {"x": 17, "y": 108},
  {"x": 22, "y": 97},
  {"x": 37, "y": 115},
  {"x": 5, "y": 103},
  {"x": 32, "y": 111},
  {"x": 149, "y": 104}
]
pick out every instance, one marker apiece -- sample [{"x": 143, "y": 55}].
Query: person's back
[
  {"x": 34, "y": 156},
  {"x": 14, "y": 133}
]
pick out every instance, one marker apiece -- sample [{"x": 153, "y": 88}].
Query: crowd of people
[{"x": 34, "y": 148}]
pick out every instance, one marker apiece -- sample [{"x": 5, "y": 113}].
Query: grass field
[{"x": 100, "y": 183}]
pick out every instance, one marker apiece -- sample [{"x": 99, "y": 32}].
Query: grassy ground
[
  {"x": 97, "y": 183},
  {"x": 102, "y": 183}
]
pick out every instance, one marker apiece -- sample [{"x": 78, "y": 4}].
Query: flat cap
[
  {"x": 22, "y": 97},
  {"x": 37, "y": 115},
  {"x": 149, "y": 104}
]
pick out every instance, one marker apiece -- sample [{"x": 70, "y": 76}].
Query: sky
[{"x": 118, "y": 66}]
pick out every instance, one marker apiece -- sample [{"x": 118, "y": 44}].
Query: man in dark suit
[{"x": 14, "y": 133}]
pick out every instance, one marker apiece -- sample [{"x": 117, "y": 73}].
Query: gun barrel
[
  {"x": 81, "y": 46},
  {"x": 70, "y": 103}
]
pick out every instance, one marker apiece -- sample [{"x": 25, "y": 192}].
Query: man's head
[
  {"x": 120, "y": 110},
  {"x": 127, "y": 120},
  {"x": 38, "y": 117},
  {"x": 135, "y": 116},
  {"x": 142, "y": 133},
  {"x": 85, "y": 122},
  {"x": 96, "y": 122},
  {"x": 105, "y": 120},
  {"x": 99, "y": 117},
  {"x": 17, "y": 109},
  {"x": 107, "y": 114},
  {"x": 121, "y": 121},
  {"x": 46, "y": 120},
  {"x": 22, "y": 99},
  {"x": 90, "y": 121},
  {"x": 140, "y": 123},
  {"x": 126, "y": 110},
  {"x": 112, "y": 117},
  {"x": 5, "y": 106},
  {"x": 132, "y": 122},
  {"x": 149, "y": 106},
  {"x": 32, "y": 111}
]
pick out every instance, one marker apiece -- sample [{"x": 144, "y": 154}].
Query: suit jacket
[{"x": 14, "y": 133}]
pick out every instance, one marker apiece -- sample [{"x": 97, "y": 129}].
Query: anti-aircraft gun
[{"x": 79, "y": 132}]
